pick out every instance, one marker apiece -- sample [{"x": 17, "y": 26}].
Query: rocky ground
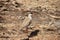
[{"x": 15, "y": 24}]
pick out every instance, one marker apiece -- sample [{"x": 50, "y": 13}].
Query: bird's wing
[{"x": 26, "y": 22}]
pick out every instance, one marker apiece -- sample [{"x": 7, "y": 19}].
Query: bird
[{"x": 26, "y": 21}]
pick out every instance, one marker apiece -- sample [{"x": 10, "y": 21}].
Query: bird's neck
[{"x": 30, "y": 17}]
